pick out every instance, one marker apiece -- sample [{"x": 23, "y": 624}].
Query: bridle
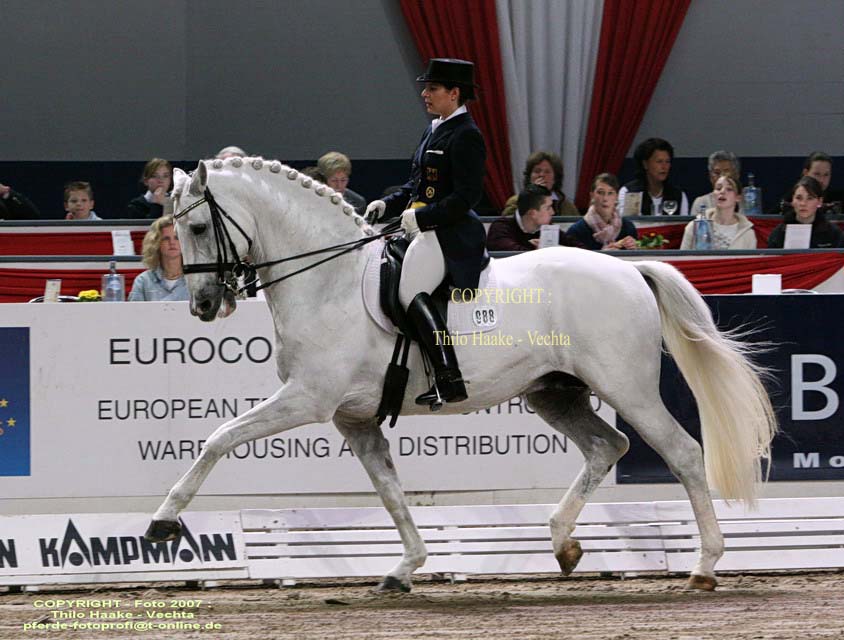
[{"x": 229, "y": 271}]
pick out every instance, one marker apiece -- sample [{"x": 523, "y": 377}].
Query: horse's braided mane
[{"x": 258, "y": 163}]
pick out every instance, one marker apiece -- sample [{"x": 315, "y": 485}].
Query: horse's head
[{"x": 212, "y": 241}]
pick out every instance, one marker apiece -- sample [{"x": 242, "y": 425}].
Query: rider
[{"x": 448, "y": 238}]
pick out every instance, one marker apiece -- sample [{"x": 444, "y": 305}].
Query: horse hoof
[
  {"x": 163, "y": 531},
  {"x": 701, "y": 583},
  {"x": 569, "y": 556},
  {"x": 391, "y": 584}
]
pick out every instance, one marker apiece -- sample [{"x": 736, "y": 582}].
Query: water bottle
[
  {"x": 113, "y": 287},
  {"x": 703, "y": 234},
  {"x": 752, "y": 197}
]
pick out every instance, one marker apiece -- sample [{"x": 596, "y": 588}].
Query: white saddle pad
[{"x": 480, "y": 315}]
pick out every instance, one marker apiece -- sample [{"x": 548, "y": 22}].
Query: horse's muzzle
[{"x": 212, "y": 302}]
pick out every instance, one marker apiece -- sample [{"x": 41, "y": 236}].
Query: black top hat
[{"x": 451, "y": 71}]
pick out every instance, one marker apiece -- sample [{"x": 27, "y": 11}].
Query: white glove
[
  {"x": 374, "y": 211},
  {"x": 408, "y": 223}
]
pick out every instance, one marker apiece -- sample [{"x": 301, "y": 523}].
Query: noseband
[{"x": 229, "y": 271}]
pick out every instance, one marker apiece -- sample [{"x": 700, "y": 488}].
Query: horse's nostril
[{"x": 204, "y": 306}]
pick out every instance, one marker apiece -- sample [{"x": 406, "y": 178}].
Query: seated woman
[
  {"x": 520, "y": 232},
  {"x": 721, "y": 163},
  {"x": 336, "y": 169},
  {"x": 653, "y": 163},
  {"x": 546, "y": 169},
  {"x": 819, "y": 166},
  {"x": 158, "y": 179},
  {"x": 730, "y": 227},
  {"x": 162, "y": 252},
  {"x": 601, "y": 226},
  {"x": 806, "y": 206}
]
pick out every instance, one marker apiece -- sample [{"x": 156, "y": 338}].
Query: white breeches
[{"x": 424, "y": 267}]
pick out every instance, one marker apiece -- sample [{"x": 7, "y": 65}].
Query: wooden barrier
[{"x": 794, "y": 533}]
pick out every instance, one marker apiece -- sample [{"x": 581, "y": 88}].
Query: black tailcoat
[{"x": 447, "y": 177}]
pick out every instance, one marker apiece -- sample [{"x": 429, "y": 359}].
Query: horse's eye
[{"x": 198, "y": 228}]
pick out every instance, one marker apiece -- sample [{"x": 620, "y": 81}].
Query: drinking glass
[{"x": 669, "y": 207}]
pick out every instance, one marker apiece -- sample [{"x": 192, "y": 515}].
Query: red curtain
[
  {"x": 468, "y": 29},
  {"x": 636, "y": 38},
  {"x": 22, "y": 285},
  {"x": 734, "y": 275},
  {"x": 60, "y": 243}
]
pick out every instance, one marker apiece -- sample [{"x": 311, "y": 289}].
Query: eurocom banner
[
  {"x": 121, "y": 398},
  {"x": 805, "y": 387}
]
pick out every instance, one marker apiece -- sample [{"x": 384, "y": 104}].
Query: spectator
[
  {"x": 520, "y": 231},
  {"x": 230, "y": 152},
  {"x": 721, "y": 163},
  {"x": 819, "y": 166},
  {"x": 158, "y": 179},
  {"x": 313, "y": 173},
  {"x": 546, "y": 169},
  {"x": 602, "y": 227},
  {"x": 79, "y": 201},
  {"x": 653, "y": 163},
  {"x": 806, "y": 208},
  {"x": 730, "y": 227},
  {"x": 16, "y": 206},
  {"x": 164, "y": 279},
  {"x": 337, "y": 168}
]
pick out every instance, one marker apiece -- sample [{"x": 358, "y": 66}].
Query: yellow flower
[{"x": 89, "y": 295}]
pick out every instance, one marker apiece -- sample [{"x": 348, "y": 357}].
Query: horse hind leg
[
  {"x": 569, "y": 411},
  {"x": 373, "y": 450},
  {"x": 684, "y": 458}
]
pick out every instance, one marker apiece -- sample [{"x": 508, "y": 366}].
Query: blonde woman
[
  {"x": 730, "y": 227},
  {"x": 164, "y": 279}
]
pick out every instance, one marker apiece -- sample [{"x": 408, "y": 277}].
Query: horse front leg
[
  {"x": 291, "y": 406},
  {"x": 373, "y": 450}
]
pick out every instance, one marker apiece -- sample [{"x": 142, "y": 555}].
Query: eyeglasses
[{"x": 161, "y": 176}]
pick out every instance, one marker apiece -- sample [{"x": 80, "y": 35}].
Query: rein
[{"x": 237, "y": 268}]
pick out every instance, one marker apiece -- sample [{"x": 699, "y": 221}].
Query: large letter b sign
[{"x": 799, "y": 386}]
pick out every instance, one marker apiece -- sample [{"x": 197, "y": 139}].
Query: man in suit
[{"x": 435, "y": 204}]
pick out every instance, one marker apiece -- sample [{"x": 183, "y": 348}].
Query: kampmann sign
[
  {"x": 114, "y": 543},
  {"x": 806, "y": 387}
]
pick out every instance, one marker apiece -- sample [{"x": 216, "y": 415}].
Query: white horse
[{"x": 331, "y": 356}]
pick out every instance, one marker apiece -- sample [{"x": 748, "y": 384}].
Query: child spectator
[
  {"x": 79, "y": 201},
  {"x": 730, "y": 227},
  {"x": 807, "y": 208},
  {"x": 158, "y": 179}
]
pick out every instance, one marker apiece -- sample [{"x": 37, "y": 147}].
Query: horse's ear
[
  {"x": 179, "y": 179},
  {"x": 199, "y": 180}
]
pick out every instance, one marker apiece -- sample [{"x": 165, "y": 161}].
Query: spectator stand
[{"x": 77, "y": 252}]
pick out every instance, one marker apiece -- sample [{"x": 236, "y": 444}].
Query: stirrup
[
  {"x": 448, "y": 387},
  {"x": 431, "y": 398}
]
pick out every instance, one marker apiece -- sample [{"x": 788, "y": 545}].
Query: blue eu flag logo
[{"x": 14, "y": 401}]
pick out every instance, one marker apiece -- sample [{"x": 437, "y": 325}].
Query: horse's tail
[{"x": 736, "y": 416}]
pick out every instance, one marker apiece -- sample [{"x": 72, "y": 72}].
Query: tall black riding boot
[{"x": 435, "y": 340}]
